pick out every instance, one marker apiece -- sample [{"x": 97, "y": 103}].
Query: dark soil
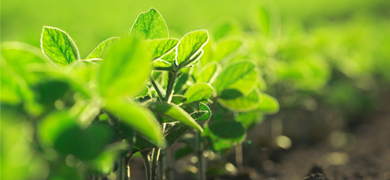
[
  {"x": 368, "y": 159},
  {"x": 366, "y": 156}
]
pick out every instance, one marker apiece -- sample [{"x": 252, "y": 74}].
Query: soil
[
  {"x": 368, "y": 159},
  {"x": 365, "y": 155}
]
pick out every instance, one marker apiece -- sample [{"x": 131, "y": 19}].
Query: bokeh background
[{"x": 90, "y": 22}]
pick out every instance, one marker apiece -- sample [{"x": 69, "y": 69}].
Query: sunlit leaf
[
  {"x": 249, "y": 119},
  {"x": 159, "y": 47},
  {"x": 137, "y": 117},
  {"x": 268, "y": 104},
  {"x": 240, "y": 76},
  {"x": 241, "y": 103},
  {"x": 199, "y": 92},
  {"x": 102, "y": 48},
  {"x": 124, "y": 69},
  {"x": 190, "y": 45},
  {"x": 162, "y": 65},
  {"x": 175, "y": 113},
  {"x": 209, "y": 73},
  {"x": 58, "y": 46},
  {"x": 228, "y": 48},
  {"x": 150, "y": 25}
]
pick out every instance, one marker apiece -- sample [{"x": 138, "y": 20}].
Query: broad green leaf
[
  {"x": 189, "y": 46},
  {"x": 268, "y": 104},
  {"x": 193, "y": 61},
  {"x": 242, "y": 103},
  {"x": 170, "y": 57},
  {"x": 143, "y": 143},
  {"x": 104, "y": 163},
  {"x": 144, "y": 91},
  {"x": 26, "y": 60},
  {"x": 124, "y": 69},
  {"x": 162, "y": 65},
  {"x": 175, "y": 113},
  {"x": 150, "y": 25},
  {"x": 177, "y": 99},
  {"x": 224, "y": 134},
  {"x": 60, "y": 131},
  {"x": 209, "y": 73},
  {"x": 102, "y": 48},
  {"x": 249, "y": 119},
  {"x": 240, "y": 76},
  {"x": 14, "y": 89},
  {"x": 202, "y": 115},
  {"x": 262, "y": 85},
  {"x": 199, "y": 92},
  {"x": 58, "y": 46},
  {"x": 159, "y": 47},
  {"x": 139, "y": 118},
  {"x": 228, "y": 48}
]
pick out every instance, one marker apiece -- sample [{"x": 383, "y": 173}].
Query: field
[{"x": 157, "y": 90}]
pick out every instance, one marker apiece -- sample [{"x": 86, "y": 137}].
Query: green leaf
[
  {"x": 170, "y": 57},
  {"x": 227, "y": 48},
  {"x": 162, "y": 65},
  {"x": 241, "y": 76},
  {"x": 102, "y": 48},
  {"x": 143, "y": 143},
  {"x": 175, "y": 113},
  {"x": 249, "y": 119},
  {"x": 60, "y": 131},
  {"x": 203, "y": 114},
  {"x": 150, "y": 25},
  {"x": 189, "y": 46},
  {"x": 177, "y": 131},
  {"x": 26, "y": 60},
  {"x": 124, "y": 69},
  {"x": 159, "y": 47},
  {"x": 58, "y": 46},
  {"x": 139, "y": 118},
  {"x": 242, "y": 103},
  {"x": 177, "y": 99},
  {"x": 209, "y": 73},
  {"x": 268, "y": 104},
  {"x": 199, "y": 92},
  {"x": 225, "y": 134}
]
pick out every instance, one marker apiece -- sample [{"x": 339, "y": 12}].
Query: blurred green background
[{"x": 90, "y": 22}]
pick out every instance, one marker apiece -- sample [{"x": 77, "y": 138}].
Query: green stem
[
  {"x": 122, "y": 169},
  {"x": 201, "y": 161},
  {"x": 161, "y": 165},
  {"x": 170, "y": 86},
  {"x": 156, "y": 155},
  {"x": 146, "y": 157},
  {"x": 157, "y": 89}
]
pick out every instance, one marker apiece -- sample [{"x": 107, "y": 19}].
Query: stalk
[
  {"x": 155, "y": 158},
  {"x": 157, "y": 89},
  {"x": 145, "y": 155},
  {"x": 171, "y": 84},
  {"x": 201, "y": 161},
  {"x": 122, "y": 169}
]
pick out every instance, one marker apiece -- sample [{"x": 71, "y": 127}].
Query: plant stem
[
  {"x": 199, "y": 152},
  {"x": 156, "y": 155},
  {"x": 122, "y": 169},
  {"x": 170, "y": 86},
  {"x": 146, "y": 157},
  {"x": 157, "y": 89}
]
